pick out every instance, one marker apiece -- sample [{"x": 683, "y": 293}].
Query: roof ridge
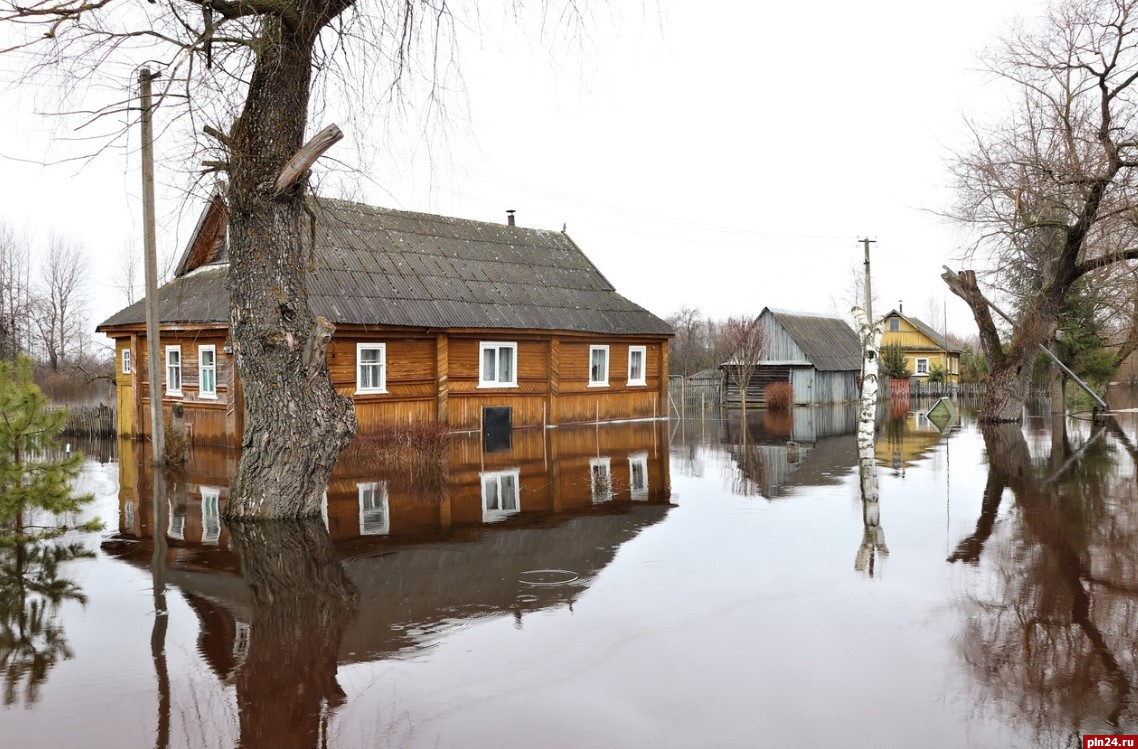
[{"x": 433, "y": 217}]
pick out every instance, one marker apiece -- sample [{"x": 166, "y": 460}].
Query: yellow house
[{"x": 923, "y": 346}]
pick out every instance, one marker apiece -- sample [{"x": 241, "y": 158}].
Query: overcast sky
[{"x": 726, "y": 155}]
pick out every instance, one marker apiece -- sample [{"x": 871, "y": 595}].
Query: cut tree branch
[
  {"x": 964, "y": 285},
  {"x": 303, "y": 159}
]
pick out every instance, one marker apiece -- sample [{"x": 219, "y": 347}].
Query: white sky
[{"x": 725, "y": 155}]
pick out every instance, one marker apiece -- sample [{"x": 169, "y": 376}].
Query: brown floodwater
[{"x": 686, "y": 584}]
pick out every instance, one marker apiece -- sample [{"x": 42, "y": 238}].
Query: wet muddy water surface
[{"x": 655, "y": 584}]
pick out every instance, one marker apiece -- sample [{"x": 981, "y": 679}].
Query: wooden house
[
  {"x": 819, "y": 355},
  {"x": 923, "y": 347},
  {"x": 436, "y": 319}
]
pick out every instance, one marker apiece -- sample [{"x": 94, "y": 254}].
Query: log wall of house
[
  {"x": 211, "y": 421},
  {"x": 762, "y": 377},
  {"x": 428, "y": 376}
]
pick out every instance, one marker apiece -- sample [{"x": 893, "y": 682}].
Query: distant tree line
[
  {"x": 43, "y": 313},
  {"x": 700, "y": 343}
]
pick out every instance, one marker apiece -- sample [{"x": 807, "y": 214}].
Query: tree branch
[
  {"x": 303, "y": 159},
  {"x": 964, "y": 285}
]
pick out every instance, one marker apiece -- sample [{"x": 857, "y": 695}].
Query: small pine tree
[
  {"x": 893, "y": 362},
  {"x": 35, "y": 482}
]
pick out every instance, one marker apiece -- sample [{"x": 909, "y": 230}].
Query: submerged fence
[
  {"x": 693, "y": 395},
  {"x": 696, "y": 395},
  {"x": 90, "y": 421}
]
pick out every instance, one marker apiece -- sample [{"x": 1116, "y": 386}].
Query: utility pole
[
  {"x": 153, "y": 350},
  {"x": 868, "y": 288}
]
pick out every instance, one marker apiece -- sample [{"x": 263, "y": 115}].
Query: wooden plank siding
[
  {"x": 915, "y": 344},
  {"x": 208, "y": 421},
  {"x": 429, "y": 375}
]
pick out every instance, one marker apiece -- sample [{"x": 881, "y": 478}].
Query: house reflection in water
[
  {"x": 804, "y": 446},
  {"x": 908, "y": 436},
  {"x": 505, "y": 533},
  {"x": 816, "y": 446}
]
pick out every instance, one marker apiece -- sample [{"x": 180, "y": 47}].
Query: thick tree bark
[
  {"x": 1009, "y": 380},
  {"x": 295, "y": 423}
]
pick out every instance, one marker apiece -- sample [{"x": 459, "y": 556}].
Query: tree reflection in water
[
  {"x": 1051, "y": 635},
  {"x": 31, "y": 591},
  {"x": 301, "y": 603}
]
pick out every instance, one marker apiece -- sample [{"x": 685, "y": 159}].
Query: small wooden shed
[{"x": 819, "y": 355}]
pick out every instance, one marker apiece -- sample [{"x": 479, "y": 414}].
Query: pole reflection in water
[
  {"x": 1052, "y": 640},
  {"x": 395, "y": 563}
]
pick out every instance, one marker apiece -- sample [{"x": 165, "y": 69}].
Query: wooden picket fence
[{"x": 90, "y": 421}]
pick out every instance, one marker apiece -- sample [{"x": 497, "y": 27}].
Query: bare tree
[
  {"x": 60, "y": 318},
  {"x": 1051, "y": 193},
  {"x": 744, "y": 338},
  {"x": 247, "y": 69},
  {"x": 688, "y": 350},
  {"x": 15, "y": 295},
  {"x": 128, "y": 280}
]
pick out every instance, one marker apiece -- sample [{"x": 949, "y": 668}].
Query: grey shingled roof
[
  {"x": 829, "y": 342},
  {"x": 376, "y": 266}
]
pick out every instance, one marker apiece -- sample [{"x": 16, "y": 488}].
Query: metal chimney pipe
[{"x": 510, "y": 216}]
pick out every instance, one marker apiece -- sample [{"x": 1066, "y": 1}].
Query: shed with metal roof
[{"x": 818, "y": 354}]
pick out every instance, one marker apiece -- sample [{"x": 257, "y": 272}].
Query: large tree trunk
[
  {"x": 295, "y": 423},
  {"x": 1009, "y": 380},
  {"x": 1007, "y": 389}
]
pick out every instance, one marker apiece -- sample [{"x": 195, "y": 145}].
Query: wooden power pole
[
  {"x": 868, "y": 287},
  {"x": 153, "y": 349}
]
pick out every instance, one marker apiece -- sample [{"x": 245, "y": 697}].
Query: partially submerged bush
[
  {"x": 420, "y": 447},
  {"x": 779, "y": 395}
]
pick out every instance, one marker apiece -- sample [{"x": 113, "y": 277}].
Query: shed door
[{"x": 802, "y": 380}]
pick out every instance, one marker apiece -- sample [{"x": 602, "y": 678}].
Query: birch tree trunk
[{"x": 873, "y": 539}]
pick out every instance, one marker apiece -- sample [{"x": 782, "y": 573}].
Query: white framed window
[
  {"x": 176, "y": 525},
  {"x": 894, "y": 324},
  {"x": 600, "y": 479},
  {"x": 501, "y": 496},
  {"x": 174, "y": 370},
  {"x": 374, "y": 519},
  {"x": 921, "y": 366},
  {"x": 371, "y": 367},
  {"x": 211, "y": 514},
  {"x": 637, "y": 358},
  {"x": 242, "y": 632},
  {"x": 638, "y": 475},
  {"x": 126, "y": 364},
  {"x": 207, "y": 371},
  {"x": 598, "y": 366},
  {"x": 497, "y": 364}
]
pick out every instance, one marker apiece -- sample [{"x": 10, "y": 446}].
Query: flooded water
[{"x": 691, "y": 584}]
